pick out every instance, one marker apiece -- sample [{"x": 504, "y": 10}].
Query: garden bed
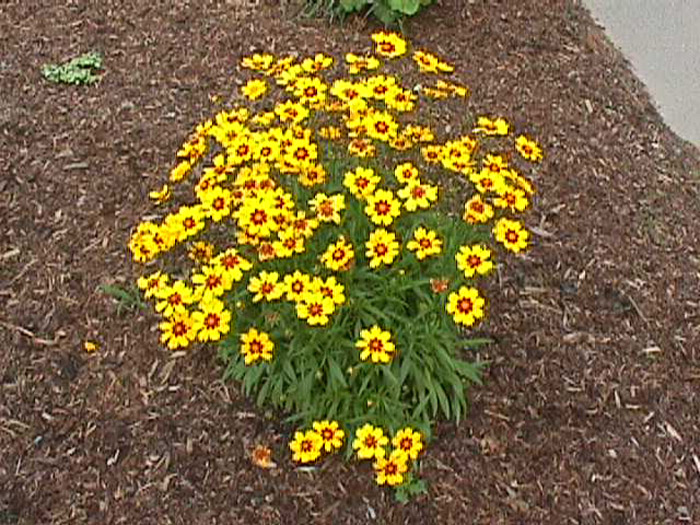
[{"x": 589, "y": 409}]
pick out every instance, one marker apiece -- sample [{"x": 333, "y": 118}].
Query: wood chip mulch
[{"x": 589, "y": 412}]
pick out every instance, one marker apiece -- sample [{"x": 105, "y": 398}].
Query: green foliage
[
  {"x": 390, "y": 12},
  {"x": 126, "y": 298},
  {"x": 79, "y": 70},
  {"x": 412, "y": 487}
]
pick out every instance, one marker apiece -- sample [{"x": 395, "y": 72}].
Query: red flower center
[
  {"x": 179, "y": 329},
  {"x": 212, "y": 321},
  {"x": 465, "y": 305}
]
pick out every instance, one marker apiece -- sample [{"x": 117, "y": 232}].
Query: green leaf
[
  {"x": 407, "y": 7},
  {"x": 352, "y": 5},
  {"x": 336, "y": 373}
]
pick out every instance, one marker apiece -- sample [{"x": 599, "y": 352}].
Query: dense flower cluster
[{"x": 319, "y": 183}]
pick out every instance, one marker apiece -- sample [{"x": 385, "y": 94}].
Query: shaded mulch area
[{"x": 589, "y": 410}]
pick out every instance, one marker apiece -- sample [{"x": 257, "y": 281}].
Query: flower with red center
[
  {"x": 233, "y": 264},
  {"x": 512, "y": 235},
  {"x": 389, "y": 45},
  {"x": 425, "y": 243},
  {"x": 382, "y": 248},
  {"x": 211, "y": 321},
  {"x": 328, "y": 207},
  {"x": 485, "y": 125},
  {"x": 266, "y": 286},
  {"x": 417, "y": 194},
  {"x": 375, "y": 345},
  {"x": 256, "y": 346},
  {"x": 330, "y": 433},
  {"x": 476, "y": 211},
  {"x": 296, "y": 285},
  {"x": 474, "y": 259},
  {"x": 315, "y": 308},
  {"x": 178, "y": 331},
  {"x": 361, "y": 182},
  {"x": 370, "y": 442},
  {"x": 338, "y": 256},
  {"x": 174, "y": 299},
  {"x": 382, "y": 207},
  {"x": 391, "y": 470},
  {"x": 306, "y": 446},
  {"x": 528, "y": 148},
  {"x": 153, "y": 283},
  {"x": 466, "y": 306}
]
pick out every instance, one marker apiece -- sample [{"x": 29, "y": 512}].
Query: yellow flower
[
  {"x": 476, "y": 211},
  {"x": 291, "y": 111},
  {"x": 512, "y": 235},
  {"x": 315, "y": 308},
  {"x": 311, "y": 91},
  {"x": 361, "y": 182},
  {"x": 174, "y": 299},
  {"x": 153, "y": 283},
  {"x": 425, "y": 243},
  {"x": 466, "y": 306},
  {"x": 382, "y": 207},
  {"x": 408, "y": 441},
  {"x": 306, "y": 446},
  {"x": 201, "y": 252},
  {"x": 358, "y": 64},
  {"x": 178, "y": 331},
  {"x": 328, "y": 207},
  {"x": 254, "y": 89},
  {"x": 256, "y": 346},
  {"x": 317, "y": 63},
  {"x": 329, "y": 288},
  {"x": 266, "y": 286},
  {"x": 389, "y": 45},
  {"x": 90, "y": 347},
  {"x": 382, "y": 248},
  {"x": 511, "y": 198},
  {"x": 330, "y": 433},
  {"x": 391, "y": 470},
  {"x": 211, "y": 321},
  {"x": 211, "y": 281},
  {"x": 370, "y": 442},
  {"x": 406, "y": 172},
  {"x": 474, "y": 259},
  {"x": 258, "y": 62},
  {"x": 485, "y": 125},
  {"x": 528, "y": 148},
  {"x": 338, "y": 256},
  {"x": 162, "y": 195},
  {"x": 418, "y": 195},
  {"x": 361, "y": 148},
  {"x": 296, "y": 285},
  {"x": 233, "y": 264},
  {"x": 375, "y": 345}
]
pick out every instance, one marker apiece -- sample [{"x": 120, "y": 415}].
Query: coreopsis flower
[
  {"x": 296, "y": 285},
  {"x": 188, "y": 221},
  {"x": 306, "y": 446},
  {"x": 317, "y": 63},
  {"x": 210, "y": 282},
  {"x": 406, "y": 172},
  {"x": 266, "y": 286},
  {"x": 511, "y": 198},
  {"x": 328, "y": 207},
  {"x": 311, "y": 91},
  {"x": 457, "y": 90},
  {"x": 331, "y": 434},
  {"x": 437, "y": 94},
  {"x": 263, "y": 119},
  {"x": 312, "y": 175},
  {"x": 217, "y": 203},
  {"x": 254, "y": 89},
  {"x": 362, "y": 148},
  {"x": 425, "y": 243},
  {"x": 381, "y": 126},
  {"x": 256, "y": 346},
  {"x": 201, "y": 252},
  {"x": 494, "y": 164},
  {"x": 432, "y": 154},
  {"x": 315, "y": 308},
  {"x": 303, "y": 225},
  {"x": 329, "y": 288},
  {"x": 465, "y": 306},
  {"x": 361, "y": 182},
  {"x": 389, "y": 45},
  {"x": 359, "y": 64},
  {"x": 338, "y": 256},
  {"x": 477, "y": 211},
  {"x": 417, "y": 194},
  {"x": 474, "y": 259},
  {"x": 486, "y": 181},
  {"x": 258, "y": 62},
  {"x": 512, "y": 235},
  {"x": 380, "y": 86},
  {"x": 212, "y": 320},
  {"x": 330, "y": 132},
  {"x": 233, "y": 264},
  {"x": 256, "y": 216},
  {"x": 162, "y": 195},
  {"x": 291, "y": 111},
  {"x": 261, "y": 456},
  {"x": 528, "y": 148},
  {"x": 153, "y": 283},
  {"x": 375, "y": 345},
  {"x": 520, "y": 181},
  {"x": 173, "y": 299},
  {"x": 382, "y": 248},
  {"x": 382, "y": 207},
  {"x": 178, "y": 331},
  {"x": 390, "y": 470},
  {"x": 427, "y": 62},
  {"x": 498, "y": 126},
  {"x": 370, "y": 442},
  {"x": 401, "y": 100}
]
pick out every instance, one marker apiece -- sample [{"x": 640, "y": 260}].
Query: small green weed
[
  {"x": 126, "y": 298},
  {"x": 79, "y": 70}
]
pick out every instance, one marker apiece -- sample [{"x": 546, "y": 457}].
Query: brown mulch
[{"x": 589, "y": 412}]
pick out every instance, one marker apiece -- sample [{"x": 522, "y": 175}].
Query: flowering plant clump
[{"x": 326, "y": 263}]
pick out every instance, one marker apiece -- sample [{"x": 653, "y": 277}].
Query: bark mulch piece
[{"x": 589, "y": 409}]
